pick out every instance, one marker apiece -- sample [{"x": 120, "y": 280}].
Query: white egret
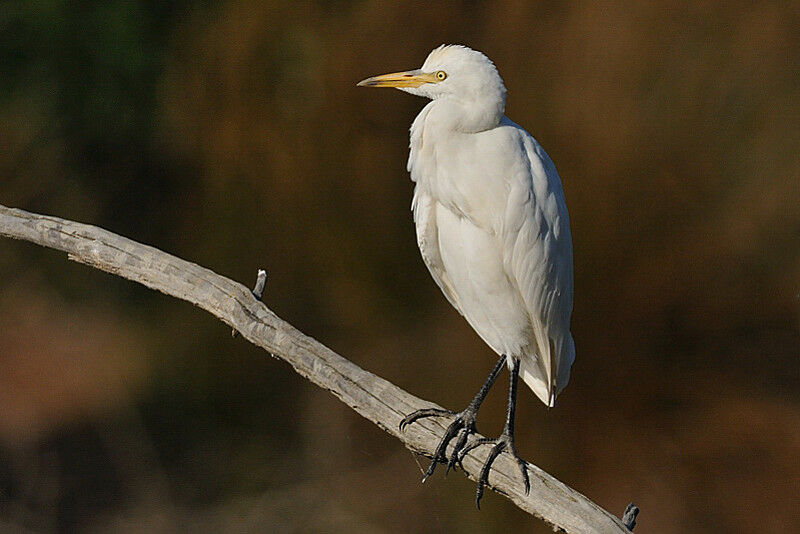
[{"x": 493, "y": 229}]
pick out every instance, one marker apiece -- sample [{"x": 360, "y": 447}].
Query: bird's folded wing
[
  {"x": 424, "y": 208},
  {"x": 538, "y": 257}
]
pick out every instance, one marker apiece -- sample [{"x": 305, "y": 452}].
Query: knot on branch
[{"x": 629, "y": 517}]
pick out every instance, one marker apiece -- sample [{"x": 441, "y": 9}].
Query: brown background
[{"x": 232, "y": 134}]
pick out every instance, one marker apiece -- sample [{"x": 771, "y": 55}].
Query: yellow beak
[{"x": 410, "y": 78}]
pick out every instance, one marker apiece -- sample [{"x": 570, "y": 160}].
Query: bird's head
[{"x": 453, "y": 72}]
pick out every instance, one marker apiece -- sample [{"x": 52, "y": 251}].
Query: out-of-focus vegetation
[{"x": 232, "y": 134}]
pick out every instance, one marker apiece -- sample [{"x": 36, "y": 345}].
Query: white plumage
[
  {"x": 490, "y": 215},
  {"x": 491, "y": 220}
]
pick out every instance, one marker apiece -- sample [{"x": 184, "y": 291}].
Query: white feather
[{"x": 491, "y": 220}]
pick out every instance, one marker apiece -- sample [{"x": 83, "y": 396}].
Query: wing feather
[
  {"x": 538, "y": 257},
  {"x": 424, "y": 208}
]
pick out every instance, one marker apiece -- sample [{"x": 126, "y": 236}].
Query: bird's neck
[{"x": 465, "y": 116}]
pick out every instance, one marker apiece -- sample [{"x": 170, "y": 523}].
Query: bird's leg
[
  {"x": 504, "y": 443},
  {"x": 463, "y": 425}
]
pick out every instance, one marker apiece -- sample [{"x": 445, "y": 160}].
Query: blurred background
[{"x": 231, "y": 133}]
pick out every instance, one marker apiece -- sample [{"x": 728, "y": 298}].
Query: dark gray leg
[
  {"x": 463, "y": 425},
  {"x": 504, "y": 442}
]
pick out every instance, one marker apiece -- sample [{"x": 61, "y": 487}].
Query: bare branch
[{"x": 376, "y": 399}]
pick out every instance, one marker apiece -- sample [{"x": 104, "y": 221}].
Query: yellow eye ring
[{"x": 441, "y": 75}]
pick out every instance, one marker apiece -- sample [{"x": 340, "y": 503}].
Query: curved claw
[
  {"x": 483, "y": 479},
  {"x": 474, "y": 445},
  {"x": 464, "y": 422},
  {"x": 504, "y": 442},
  {"x": 421, "y": 414},
  {"x": 462, "y": 425},
  {"x": 454, "y": 456}
]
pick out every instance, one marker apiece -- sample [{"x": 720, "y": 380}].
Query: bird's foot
[
  {"x": 504, "y": 443},
  {"x": 462, "y": 426}
]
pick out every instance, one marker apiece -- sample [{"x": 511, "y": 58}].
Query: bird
[{"x": 493, "y": 230}]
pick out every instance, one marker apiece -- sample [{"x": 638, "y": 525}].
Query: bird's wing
[
  {"x": 424, "y": 208},
  {"x": 538, "y": 257}
]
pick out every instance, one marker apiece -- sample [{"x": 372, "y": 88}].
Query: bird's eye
[{"x": 441, "y": 75}]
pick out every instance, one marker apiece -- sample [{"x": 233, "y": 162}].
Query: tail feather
[{"x": 547, "y": 375}]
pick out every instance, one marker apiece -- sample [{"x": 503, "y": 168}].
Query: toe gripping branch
[{"x": 463, "y": 425}]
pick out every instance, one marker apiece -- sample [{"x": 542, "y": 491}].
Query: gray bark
[{"x": 374, "y": 398}]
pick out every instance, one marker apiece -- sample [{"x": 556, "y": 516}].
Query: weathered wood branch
[{"x": 371, "y": 396}]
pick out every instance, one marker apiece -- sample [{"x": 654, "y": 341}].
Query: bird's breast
[{"x": 468, "y": 173}]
